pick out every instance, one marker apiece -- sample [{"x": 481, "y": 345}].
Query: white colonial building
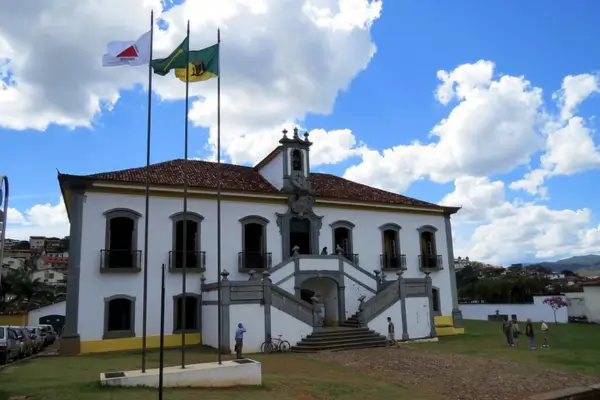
[{"x": 290, "y": 238}]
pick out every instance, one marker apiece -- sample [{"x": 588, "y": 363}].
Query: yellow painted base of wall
[
  {"x": 14, "y": 319},
  {"x": 444, "y": 326},
  {"x": 135, "y": 343}
]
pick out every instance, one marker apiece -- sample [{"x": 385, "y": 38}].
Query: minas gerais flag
[
  {"x": 133, "y": 52},
  {"x": 203, "y": 64}
]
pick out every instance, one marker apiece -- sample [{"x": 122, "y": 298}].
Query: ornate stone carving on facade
[{"x": 301, "y": 204}]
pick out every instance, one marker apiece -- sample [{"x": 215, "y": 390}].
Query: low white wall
[
  {"x": 592, "y": 303},
  {"x": 576, "y": 304},
  {"x": 210, "y": 327},
  {"x": 252, "y": 316},
  {"x": 417, "y": 317},
  {"x": 53, "y": 309},
  {"x": 536, "y": 311},
  {"x": 379, "y": 324}
]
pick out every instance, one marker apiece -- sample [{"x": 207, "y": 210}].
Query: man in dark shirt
[{"x": 391, "y": 332}]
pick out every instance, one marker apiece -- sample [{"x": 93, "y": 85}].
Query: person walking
[
  {"x": 508, "y": 332},
  {"x": 516, "y": 332},
  {"x": 391, "y": 332},
  {"x": 529, "y": 332},
  {"x": 239, "y": 341},
  {"x": 545, "y": 332}
]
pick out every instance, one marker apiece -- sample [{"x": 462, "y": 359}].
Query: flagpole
[
  {"x": 161, "y": 357},
  {"x": 182, "y": 315},
  {"x": 219, "y": 311},
  {"x": 147, "y": 211}
]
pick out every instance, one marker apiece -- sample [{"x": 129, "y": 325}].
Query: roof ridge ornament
[
  {"x": 284, "y": 133},
  {"x": 296, "y": 133}
]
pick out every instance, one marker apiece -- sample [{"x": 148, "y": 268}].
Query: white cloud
[
  {"x": 40, "y": 220},
  {"x": 569, "y": 146},
  {"x": 516, "y": 231},
  {"x": 492, "y": 129},
  {"x": 280, "y": 60}
]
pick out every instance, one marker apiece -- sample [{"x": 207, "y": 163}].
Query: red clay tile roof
[{"x": 203, "y": 174}]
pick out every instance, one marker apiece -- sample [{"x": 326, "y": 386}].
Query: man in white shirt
[{"x": 545, "y": 332}]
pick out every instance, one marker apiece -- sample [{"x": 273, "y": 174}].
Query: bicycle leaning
[{"x": 272, "y": 345}]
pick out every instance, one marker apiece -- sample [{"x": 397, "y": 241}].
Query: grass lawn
[
  {"x": 285, "y": 376},
  {"x": 573, "y": 347}
]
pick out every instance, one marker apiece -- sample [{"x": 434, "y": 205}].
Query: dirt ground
[{"x": 457, "y": 377}]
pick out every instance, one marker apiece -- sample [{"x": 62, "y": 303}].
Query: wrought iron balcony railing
[
  {"x": 393, "y": 261},
  {"x": 257, "y": 261},
  {"x": 120, "y": 260},
  {"x": 195, "y": 261},
  {"x": 430, "y": 263}
]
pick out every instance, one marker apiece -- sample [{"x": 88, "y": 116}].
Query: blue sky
[{"x": 390, "y": 103}]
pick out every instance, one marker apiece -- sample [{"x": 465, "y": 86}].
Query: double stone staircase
[{"x": 349, "y": 336}]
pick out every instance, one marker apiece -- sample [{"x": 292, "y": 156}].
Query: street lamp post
[{"x": 4, "y": 203}]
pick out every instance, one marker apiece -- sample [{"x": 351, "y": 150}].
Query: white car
[{"x": 37, "y": 337}]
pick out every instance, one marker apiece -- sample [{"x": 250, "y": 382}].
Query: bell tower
[{"x": 296, "y": 162}]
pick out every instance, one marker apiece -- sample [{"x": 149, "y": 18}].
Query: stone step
[
  {"x": 340, "y": 330},
  {"x": 338, "y": 335},
  {"x": 341, "y": 339},
  {"x": 340, "y": 346}
]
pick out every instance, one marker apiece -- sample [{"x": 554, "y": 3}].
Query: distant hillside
[{"x": 584, "y": 265}]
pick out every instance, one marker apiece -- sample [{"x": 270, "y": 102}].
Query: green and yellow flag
[
  {"x": 204, "y": 64},
  {"x": 176, "y": 59}
]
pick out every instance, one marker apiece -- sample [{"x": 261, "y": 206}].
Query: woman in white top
[{"x": 545, "y": 332}]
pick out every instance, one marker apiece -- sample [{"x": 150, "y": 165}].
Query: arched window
[
  {"x": 187, "y": 242},
  {"x": 120, "y": 253},
  {"x": 254, "y": 255},
  {"x": 342, "y": 238},
  {"x": 190, "y": 321},
  {"x": 428, "y": 258},
  {"x": 391, "y": 257},
  {"x": 297, "y": 160},
  {"x": 119, "y": 317}
]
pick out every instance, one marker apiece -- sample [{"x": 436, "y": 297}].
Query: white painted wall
[
  {"x": 52, "y": 309},
  {"x": 252, "y": 316},
  {"x": 273, "y": 171},
  {"x": 288, "y": 285},
  {"x": 94, "y": 287},
  {"x": 380, "y": 325},
  {"x": 576, "y": 304},
  {"x": 49, "y": 276},
  {"x": 210, "y": 326},
  {"x": 315, "y": 264},
  {"x": 417, "y": 317},
  {"x": 536, "y": 311},
  {"x": 592, "y": 302},
  {"x": 351, "y": 294},
  {"x": 289, "y": 327}
]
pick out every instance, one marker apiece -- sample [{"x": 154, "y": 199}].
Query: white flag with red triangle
[{"x": 128, "y": 52}]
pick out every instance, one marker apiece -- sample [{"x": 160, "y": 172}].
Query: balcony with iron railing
[
  {"x": 430, "y": 263},
  {"x": 195, "y": 261},
  {"x": 248, "y": 261},
  {"x": 393, "y": 261},
  {"x": 120, "y": 261}
]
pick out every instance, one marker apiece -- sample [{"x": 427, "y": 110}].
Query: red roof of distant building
[
  {"x": 57, "y": 260},
  {"x": 594, "y": 282}
]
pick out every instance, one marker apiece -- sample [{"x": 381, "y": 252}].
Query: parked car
[
  {"x": 38, "y": 338},
  {"x": 25, "y": 340},
  {"x": 50, "y": 334},
  {"x": 10, "y": 348}
]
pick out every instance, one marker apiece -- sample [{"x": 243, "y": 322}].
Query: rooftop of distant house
[
  {"x": 238, "y": 178},
  {"x": 593, "y": 282}
]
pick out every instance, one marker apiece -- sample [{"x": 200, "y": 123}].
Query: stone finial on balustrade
[
  {"x": 338, "y": 250},
  {"x": 400, "y": 273},
  {"x": 383, "y": 277},
  {"x": 296, "y": 250},
  {"x": 251, "y": 273},
  {"x": 376, "y": 272},
  {"x": 265, "y": 276},
  {"x": 361, "y": 302},
  {"x": 224, "y": 275},
  {"x": 202, "y": 280}
]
